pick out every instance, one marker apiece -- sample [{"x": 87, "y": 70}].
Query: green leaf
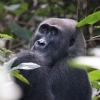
[
  {"x": 95, "y": 84},
  {"x": 86, "y": 62},
  {"x": 7, "y": 65},
  {"x": 12, "y": 7},
  {"x": 5, "y": 36},
  {"x": 77, "y": 64},
  {"x": 4, "y": 50},
  {"x": 95, "y": 98},
  {"x": 23, "y": 8},
  {"x": 41, "y": 11},
  {"x": 17, "y": 74},
  {"x": 2, "y": 59},
  {"x": 94, "y": 75},
  {"x": 26, "y": 66},
  {"x": 20, "y": 32},
  {"x": 91, "y": 19}
]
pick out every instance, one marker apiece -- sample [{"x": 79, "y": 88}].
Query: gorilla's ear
[{"x": 79, "y": 47}]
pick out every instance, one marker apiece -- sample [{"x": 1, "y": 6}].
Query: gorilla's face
[
  {"x": 53, "y": 38},
  {"x": 47, "y": 37}
]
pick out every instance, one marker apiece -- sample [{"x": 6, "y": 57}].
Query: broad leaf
[
  {"x": 26, "y": 66},
  {"x": 94, "y": 75},
  {"x": 93, "y": 62},
  {"x": 91, "y": 19},
  {"x": 7, "y": 65},
  {"x": 95, "y": 51},
  {"x": 77, "y": 62},
  {"x": 96, "y": 84},
  {"x": 12, "y": 7},
  {"x": 23, "y": 8},
  {"x": 20, "y": 32},
  {"x": 5, "y": 36}
]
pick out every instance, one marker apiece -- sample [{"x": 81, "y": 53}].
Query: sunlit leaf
[
  {"x": 7, "y": 65},
  {"x": 94, "y": 75},
  {"x": 91, "y": 19},
  {"x": 76, "y": 63},
  {"x": 93, "y": 62},
  {"x": 95, "y": 98},
  {"x": 95, "y": 84},
  {"x": 95, "y": 51},
  {"x": 5, "y": 36},
  {"x": 26, "y": 66},
  {"x": 17, "y": 74}
]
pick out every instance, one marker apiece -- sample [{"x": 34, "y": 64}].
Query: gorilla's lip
[{"x": 37, "y": 49}]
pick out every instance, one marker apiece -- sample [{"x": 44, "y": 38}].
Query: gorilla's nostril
[{"x": 41, "y": 42}]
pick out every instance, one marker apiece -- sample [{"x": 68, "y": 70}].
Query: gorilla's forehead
[{"x": 61, "y": 22}]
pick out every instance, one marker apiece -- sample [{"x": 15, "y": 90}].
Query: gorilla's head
[{"x": 57, "y": 38}]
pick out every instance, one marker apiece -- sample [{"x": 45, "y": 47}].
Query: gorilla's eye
[
  {"x": 44, "y": 30},
  {"x": 54, "y": 32}
]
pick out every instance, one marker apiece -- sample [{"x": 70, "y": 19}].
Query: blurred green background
[{"x": 19, "y": 19}]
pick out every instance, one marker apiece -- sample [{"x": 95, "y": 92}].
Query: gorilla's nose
[{"x": 40, "y": 44}]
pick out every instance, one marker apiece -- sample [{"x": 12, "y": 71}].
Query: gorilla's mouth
[{"x": 37, "y": 48}]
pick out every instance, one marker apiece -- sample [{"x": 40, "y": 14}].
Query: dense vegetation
[{"x": 19, "y": 19}]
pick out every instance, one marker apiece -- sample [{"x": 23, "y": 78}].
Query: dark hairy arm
[{"x": 39, "y": 88}]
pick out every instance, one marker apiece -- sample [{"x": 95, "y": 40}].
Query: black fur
[{"x": 55, "y": 42}]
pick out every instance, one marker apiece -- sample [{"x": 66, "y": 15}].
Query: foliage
[
  {"x": 5, "y": 36},
  {"x": 19, "y": 19},
  {"x": 15, "y": 72},
  {"x": 18, "y": 31},
  {"x": 91, "y": 19},
  {"x": 92, "y": 62},
  {"x": 3, "y": 51},
  {"x": 92, "y": 65}
]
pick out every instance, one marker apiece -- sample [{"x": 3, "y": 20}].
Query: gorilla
[{"x": 55, "y": 42}]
